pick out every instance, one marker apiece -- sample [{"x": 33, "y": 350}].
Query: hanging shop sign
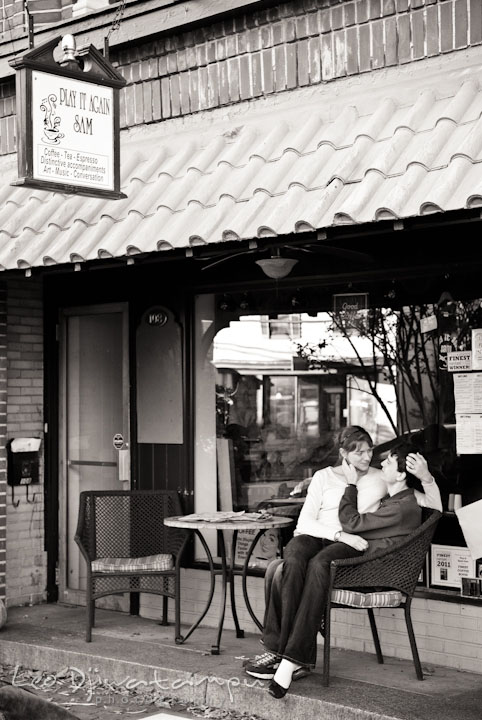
[
  {"x": 68, "y": 120},
  {"x": 350, "y": 302}
]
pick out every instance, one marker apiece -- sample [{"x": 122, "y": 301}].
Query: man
[{"x": 399, "y": 513}]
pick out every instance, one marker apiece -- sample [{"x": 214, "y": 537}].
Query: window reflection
[{"x": 280, "y": 411}]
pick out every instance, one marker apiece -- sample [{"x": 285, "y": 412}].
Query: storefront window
[
  {"x": 273, "y": 389},
  {"x": 285, "y": 386}
]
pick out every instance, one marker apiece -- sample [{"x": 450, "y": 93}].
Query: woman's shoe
[
  {"x": 302, "y": 672},
  {"x": 263, "y": 666},
  {"x": 276, "y": 690}
]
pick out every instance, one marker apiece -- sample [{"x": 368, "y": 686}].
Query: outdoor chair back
[{"x": 127, "y": 547}]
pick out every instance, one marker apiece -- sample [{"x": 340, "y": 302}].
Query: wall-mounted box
[{"x": 23, "y": 461}]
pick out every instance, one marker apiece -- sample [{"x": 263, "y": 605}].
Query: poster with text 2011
[{"x": 449, "y": 564}]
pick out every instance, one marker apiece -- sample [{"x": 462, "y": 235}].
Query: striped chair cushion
[
  {"x": 354, "y": 598},
  {"x": 150, "y": 562}
]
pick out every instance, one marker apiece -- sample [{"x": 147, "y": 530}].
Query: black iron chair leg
[
  {"x": 413, "y": 644},
  {"x": 376, "y": 639},
  {"x": 326, "y": 645},
  {"x": 177, "y": 607},
  {"x": 165, "y": 620},
  {"x": 90, "y": 617}
]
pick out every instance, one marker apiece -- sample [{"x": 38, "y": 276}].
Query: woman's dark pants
[{"x": 296, "y": 596}]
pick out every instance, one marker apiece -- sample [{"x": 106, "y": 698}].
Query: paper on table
[
  {"x": 470, "y": 520},
  {"x": 227, "y": 516},
  {"x": 214, "y": 516}
]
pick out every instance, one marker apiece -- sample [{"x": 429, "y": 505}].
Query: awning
[{"x": 360, "y": 150}]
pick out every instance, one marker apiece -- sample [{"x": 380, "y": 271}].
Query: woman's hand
[
  {"x": 354, "y": 541},
  {"x": 417, "y": 465},
  {"x": 349, "y": 472},
  {"x": 300, "y": 487}
]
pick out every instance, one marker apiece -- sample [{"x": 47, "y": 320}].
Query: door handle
[
  {"x": 124, "y": 465},
  {"x": 98, "y": 463}
]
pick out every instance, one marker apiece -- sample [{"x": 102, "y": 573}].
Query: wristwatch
[{"x": 337, "y": 535}]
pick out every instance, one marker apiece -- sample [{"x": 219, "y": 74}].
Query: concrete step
[{"x": 137, "y": 653}]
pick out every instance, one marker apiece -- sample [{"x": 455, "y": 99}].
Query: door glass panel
[{"x": 94, "y": 414}]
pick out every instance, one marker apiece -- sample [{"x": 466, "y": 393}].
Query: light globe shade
[{"x": 277, "y": 267}]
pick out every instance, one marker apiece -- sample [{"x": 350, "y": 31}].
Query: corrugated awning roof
[{"x": 348, "y": 153}]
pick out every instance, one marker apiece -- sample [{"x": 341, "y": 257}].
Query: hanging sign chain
[{"x": 116, "y": 22}]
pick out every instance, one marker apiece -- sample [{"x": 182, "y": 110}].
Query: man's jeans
[{"x": 296, "y": 592}]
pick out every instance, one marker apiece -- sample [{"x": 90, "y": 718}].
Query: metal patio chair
[
  {"x": 384, "y": 578},
  {"x": 127, "y": 547}
]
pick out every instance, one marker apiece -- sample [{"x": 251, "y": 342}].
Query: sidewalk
[{"x": 135, "y": 656}]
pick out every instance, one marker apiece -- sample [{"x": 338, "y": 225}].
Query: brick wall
[
  {"x": 293, "y": 45},
  {"x": 26, "y": 559},
  {"x": 8, "y": 135},
  {"x": 447, "y": 634},
  {"x": 44, "y": 12},
  {"x": 12, "y": 16},
  {"x": 296, "y": 44},
  {"x": 47, "y": 12}
]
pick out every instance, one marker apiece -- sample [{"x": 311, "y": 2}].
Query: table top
[
  {"x": 201, "y": 523},
  {"x": 283, "y": 501}
]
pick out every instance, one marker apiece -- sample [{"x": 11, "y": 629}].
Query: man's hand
[
  {"x": 354, "y": 541},
  {"x": 349, "y": 472},
  {"x": 417, "y": 465}
]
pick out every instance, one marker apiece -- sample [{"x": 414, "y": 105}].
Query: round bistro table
[{"x": 228, "y": 571}]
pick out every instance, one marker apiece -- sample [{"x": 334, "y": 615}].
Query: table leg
[
  {"x": 224, "y": 580},
  {"x": 244, "y": 577},
  {"x": 182, "y": 638},
  {"x": 239, "y": 632}
]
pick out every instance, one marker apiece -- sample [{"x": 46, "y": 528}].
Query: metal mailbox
[{"x": 23, "y": 461}]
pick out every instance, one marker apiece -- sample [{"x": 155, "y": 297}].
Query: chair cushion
[
  {"x": 355, "y": 598},
  {"x": 163, "y": 561}
]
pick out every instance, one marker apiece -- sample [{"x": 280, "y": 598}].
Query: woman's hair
[{"x": 351, "y": 436}]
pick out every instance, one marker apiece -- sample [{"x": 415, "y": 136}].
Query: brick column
[
  {"x": 3, "y": 436},
  {"x": 26, "y": 558}
]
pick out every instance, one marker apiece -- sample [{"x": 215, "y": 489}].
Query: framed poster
[
  {"x": 266, "y": 549},
  {"x": 449, "y": 564}
]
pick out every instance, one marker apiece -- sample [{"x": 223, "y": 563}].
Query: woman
[{"x": 293, "y": 615}]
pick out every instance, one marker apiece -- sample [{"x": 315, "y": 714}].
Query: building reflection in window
[{"x": 279, "y": 413}]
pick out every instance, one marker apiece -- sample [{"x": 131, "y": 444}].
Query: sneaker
[
  {"x": 250, "y": 661},
  {"x": 263, "y": 666}
]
